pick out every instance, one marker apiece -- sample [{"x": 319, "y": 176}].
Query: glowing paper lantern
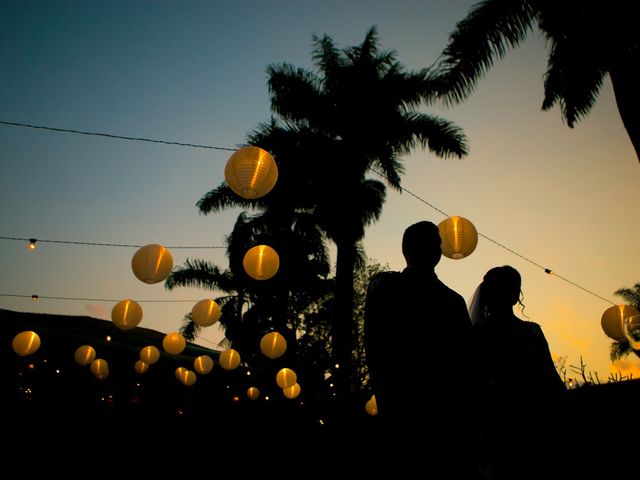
[
  {"x": 141, "y": 367},
  {"x": 261, "y": 262},
  {"x": 273, "y": 345},
  {"x": 251, "y": 172},
  {"x": 631, "y": 328},
  {"x": 26, "y": 343},
  {"x": 253, "y": 393},
  {"x": 203, "y": 364},
  {"x": 174, "y": 343},
  {"x": 152, "y": 263},
  {"x": 186, "y": 377},
  {"x": 286, "y": 378},
  {"x": 179, "y": 372},
  {"x": 459, "y": 237},
  {"x": 150, "y": 354},
  {"x": 126, "y": 314},
  {"x": 613, "y": 319},
  {"x": 371, "y": 407},
  {"x": 84, "y": 355},
  {"x": 229, "y": 359},
  {"x": 205, "y": 313},
  {"x": 292, "y": 392},
  {"x": 100, "y": 368}
]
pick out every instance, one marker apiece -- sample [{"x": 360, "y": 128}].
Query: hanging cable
[
  {"x": 119, "y": 137},
  {"x": 32, "y": 241},
  {"x": 82, "y": 299}
]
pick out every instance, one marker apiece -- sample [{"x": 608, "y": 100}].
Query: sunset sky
[{"x": 194, "y": 72}]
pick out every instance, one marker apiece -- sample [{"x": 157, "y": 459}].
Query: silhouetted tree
[
  {"x": 356, "y": 111},
  {"x": 587, "y": 40}
]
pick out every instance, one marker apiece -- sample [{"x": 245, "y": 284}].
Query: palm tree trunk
[
  {"x": 343, "y": 320},
  {"x": 625, "y": 78}
]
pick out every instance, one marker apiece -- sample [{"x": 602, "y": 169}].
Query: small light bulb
[
  {"x": 108, "y": 338},
  {"x": 32, "y": 244},
  {"x": 34, "y": 297}
]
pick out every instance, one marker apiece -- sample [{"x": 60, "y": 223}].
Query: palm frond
[
  {"x": 620, "y": 349},
  {"x": 488, "y": 31},
  {"x": 220, "y": 198},
  {"x": 189, "y": 329},
  {"x": 197, "y": 273},
  {"x": 439, "y": 135},
  {"x": 630, "y": 295},
  {"x": 295, "y": 94},
  {"x": 572, "y": 80}
]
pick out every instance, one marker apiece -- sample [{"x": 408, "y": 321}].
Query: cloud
[{"x": 98, "y": 311}]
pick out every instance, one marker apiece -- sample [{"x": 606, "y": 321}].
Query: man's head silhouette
[{"x": 421, "y": 245}]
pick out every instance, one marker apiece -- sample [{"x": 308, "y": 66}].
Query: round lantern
[
  {"x": 141, "y": 367},
  {"x": 180, "y": 372},
  {"x": 251, "y": 172},
  {"x": 152, "y": 263},
  {"x": 286, "y": 378},
  {"x": 371, "y": 407},
  {"x": 261, "y": 262},
  {"x": 229, "y": 359},
  {"x": 203, "y": 364},
  {"x": 100, "y": 368},
  {"x": 174, "y": 343},
  {"x": 186, "y": 377},
  {"x": 84, "y": 355},
  {"x": 26, "y": 343},
  {"x": 292, "y": 392},
  {"x": 631, "y": 329},
  {"x": 150, "y": 354},
  {"x": 613, "y": 319},
  {"x": 126, "y": 314},
  {"x": 273, "y": 345},
  {"x": 459, "y": 237},
  {"x": 253, "y": 393},
  {"x": 205, "y": 313}
]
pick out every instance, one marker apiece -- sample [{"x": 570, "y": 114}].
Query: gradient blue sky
[{"x": 195, "y": 72}]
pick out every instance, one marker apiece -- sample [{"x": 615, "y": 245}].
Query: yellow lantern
[
  {"x": 203, "y": 364},
  {"x": 613, "y": 320},
  {"x": 26, "y": 343},
  {"x": 253, "y": 393},
  {"x": 152, "y": 263},
  {"x": 126, "y": 314},
  {"x": 286, "y": 378},
  {"x": 229, "y": 359},
  {"x": 174, "y": 343},
  {"x": 150, "y": 354},
  {"x": 261, "y": 262},
  {"x": 180, "y": 372},
  {"x": 292, "y": 392},
  {"x": 251, "y": 172},
  {"x": 205, "y": 313},
  {"x": 273, "y": 345},
  {"x": 186, "y": 377},
  {"x": 371, "y": 407},
  {"x": 100, "y": 368},
  {"x": 84, "y": 355},
  {"x": 459, "y": 237},
  {"x": 141, "y": 367}
]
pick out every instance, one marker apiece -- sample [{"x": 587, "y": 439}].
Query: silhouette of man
[{"x": 417, "y": 332}]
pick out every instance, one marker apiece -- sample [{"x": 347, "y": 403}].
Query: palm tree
[
  {"x": 355, "y": 112},
  {"x": 622, "y": 348},
  {"x": 587, "y": 40}
]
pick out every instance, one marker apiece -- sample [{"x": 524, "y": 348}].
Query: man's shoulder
[{"x": 384, "y": 280}]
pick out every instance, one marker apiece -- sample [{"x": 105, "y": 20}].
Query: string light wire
[
  {"x": 126, "y": 245},
  {"x": 180, "y": 144}
]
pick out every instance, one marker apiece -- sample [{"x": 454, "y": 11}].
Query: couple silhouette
[{"x": 465, "y": 393}]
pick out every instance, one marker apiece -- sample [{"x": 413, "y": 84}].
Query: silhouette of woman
[{"x": 518, "y": 385}]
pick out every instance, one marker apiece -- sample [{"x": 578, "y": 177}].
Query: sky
[{"x": 195, "y": 72}]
